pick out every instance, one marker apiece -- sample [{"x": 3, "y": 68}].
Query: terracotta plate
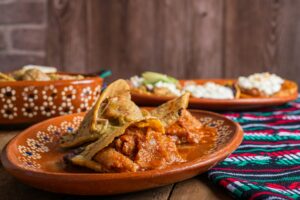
[
  {"x": 215, "y": 104},
  {"x": 35, "y": 159}
]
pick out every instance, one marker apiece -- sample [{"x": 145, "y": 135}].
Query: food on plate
[
  {"x": 5, "y": 77},
  {"x": 156, "y": 83},
  {"x": 212, "y": 90},
  {"x": 163, "y": 85},
  {"x": 37, "y": 73},
  {"x": 255, "y": 85},
  {"x": 118, "y": 136},
  {"x": 265, "y": 85}
]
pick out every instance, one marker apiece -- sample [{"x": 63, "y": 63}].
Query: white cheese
[
  {"x": 267, "y": 83},
  {"x": 209, "y": 90},
  {"x": 170, "y": 86},
  {"x": 136, "y": 81}
]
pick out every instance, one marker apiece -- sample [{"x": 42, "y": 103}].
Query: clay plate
[
  {"x": 215, "y": 104},
  {"x": 34, "y": 158},
  {"x": 27, "y": 102}
]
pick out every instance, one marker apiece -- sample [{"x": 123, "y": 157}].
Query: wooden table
[{"x": 196, "y": 188}]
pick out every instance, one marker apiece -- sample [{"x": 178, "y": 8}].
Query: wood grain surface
[
  {"x": 181, "y": 38},
  {"x": 262, "y": 36},
  {"x": 186, "y": 39},
  {"x": 195, "y": 188}
]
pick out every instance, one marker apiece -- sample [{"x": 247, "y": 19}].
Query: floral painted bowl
[{"x": 27, "y": 102}]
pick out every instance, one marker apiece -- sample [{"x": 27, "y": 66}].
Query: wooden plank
[
  {"x": 161, "y": 193},
  {"x": 181, "y": 38},
  {"x": 198, "y": 188},
  {"x": 106, "y": 42},
  {"x": 66, "y": 43},
  {"x": 205, "y": 34},
  {"x": 249, "y": 44},
  {"x": 262, "y": 36},
  {"x": 288, "y": 40}
]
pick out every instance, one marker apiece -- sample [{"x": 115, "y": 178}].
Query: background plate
[{"x": 214, "y": 104}]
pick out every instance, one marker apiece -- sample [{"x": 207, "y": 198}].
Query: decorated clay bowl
[
  {"x": 35, "y": 158},
  {"x": 27, "y": 102}
]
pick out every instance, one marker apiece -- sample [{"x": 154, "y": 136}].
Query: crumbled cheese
[
  {"x": 137, "y": 81},
  {"x": 267, "y": 83},
  {"x": 210, "y": 90},
  {"x": 170, "y": 86},
  {"x": 149, "y": 86}
]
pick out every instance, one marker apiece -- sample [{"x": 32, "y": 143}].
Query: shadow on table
[{"x": 195, "y": 188}]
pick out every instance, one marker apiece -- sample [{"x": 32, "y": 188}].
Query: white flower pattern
[
  {"x": 29, "y": 110},
  {"x": 37, "y": 145},
  {"x": 86, "y": 94},
  {"x": 49, "y": 93},
  {"x": 66, "y": 108},
  {"x": 28, "y": 152},
  {"x": 30, "y": 94},
  {"x": 28, "y": 163},
  {"x": 7, "y": 94},
  {"x": 44, "y": 138},
  {"x": 48, "y": 108},
  {"x": 9, "y": 111},
  {"x": 68, "y": 93}
]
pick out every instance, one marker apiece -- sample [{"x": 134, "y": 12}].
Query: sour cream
[
  {"x": 267, "y": 83},
  {"x": 209, "y": 90}
]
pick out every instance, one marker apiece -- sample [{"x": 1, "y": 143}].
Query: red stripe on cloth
[
  {"x": 267, "y": 132},
  {"x": 268, "y": 193},
  {"x": 281, "y": 153},
  {"x": 242, "y": 154},
  {"x": 284, "y": 121}
]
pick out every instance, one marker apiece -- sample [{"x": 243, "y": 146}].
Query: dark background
[{"x": 184, "y": 38}]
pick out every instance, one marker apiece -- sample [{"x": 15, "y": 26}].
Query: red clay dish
[
  {"x": 35, "y": 158},
  {"x": 27, "y": 102},
  {"x": 215, "y": 104}
]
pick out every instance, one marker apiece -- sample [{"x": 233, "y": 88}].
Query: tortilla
[
  {"x": 170, "y": 111},
  {"x": 113, "y": 112}
]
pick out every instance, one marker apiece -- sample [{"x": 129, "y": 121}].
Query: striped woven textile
[{"x": 267, "y": 164}]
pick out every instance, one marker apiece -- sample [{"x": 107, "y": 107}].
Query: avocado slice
[{"x": 153, "y": 77}]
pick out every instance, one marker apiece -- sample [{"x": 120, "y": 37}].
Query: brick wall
[{"x": 22, "y": 33}]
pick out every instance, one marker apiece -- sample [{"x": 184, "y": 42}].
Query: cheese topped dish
[{"x": 260, "y": 84}]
